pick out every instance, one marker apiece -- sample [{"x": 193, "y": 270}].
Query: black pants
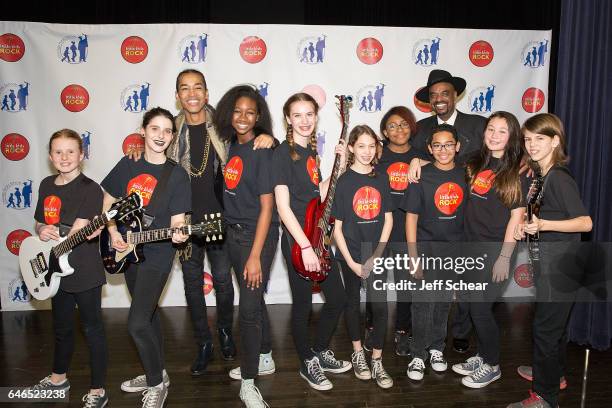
[
  {"x": 461, "y": 324},
  {"x": 90, "y": 312},
  {"x": 255, "y": 335},
  {"x": 301, "y": 294},
  {"x": 222, "y": 282},
  {"x": 352, "y": 313},
  {"x": 146, "y": 282}
]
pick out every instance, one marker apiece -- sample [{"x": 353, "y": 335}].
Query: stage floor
[{"x": 27, "y": 344}]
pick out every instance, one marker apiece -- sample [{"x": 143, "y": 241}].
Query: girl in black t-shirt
[
  {"x": 297, "y": 182},
  {"x": 147, "y": 279},
  {"x": 252, "y": 227},
  {"x": 72, "y": 198},
  {"x": 363, "y": 212},
  {"x": 562, "y": 218}
]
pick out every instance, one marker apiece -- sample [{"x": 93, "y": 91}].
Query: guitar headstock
[
  {"x": 126, "y": 206},
  {"x": 212, "y": 227},
  {"x": 344, "y": 104},
  {"x": 535, "y": 190}
]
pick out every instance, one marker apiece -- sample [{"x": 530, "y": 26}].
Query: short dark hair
[
  {"x": 155, "y": 112},
  {"x": 444, "y": 127},
  {"x": 402, "y": 112},
  {"x": 189, "y": 71}
]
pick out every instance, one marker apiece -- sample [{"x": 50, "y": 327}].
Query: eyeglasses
[
  {"x": 439, "y": 147},
  {"x": 394, "y": 126}
]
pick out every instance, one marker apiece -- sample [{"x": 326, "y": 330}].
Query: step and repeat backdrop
[{"x": 99, "y": 80}]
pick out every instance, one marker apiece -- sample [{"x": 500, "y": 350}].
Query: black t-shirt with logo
[
  {"x": 361, "y": 202},
  {"x": 203, "y": 198},
  {"x": 302, "y": 177},
  {"x": 80, "y": 198},
  {"x": 486, "y": 216},
  {"x": 141, "y": 176},
  {"x": 439, "y": 201},
  {"x": 248, "y": 175},
  {"x": 395, "y": 166}
]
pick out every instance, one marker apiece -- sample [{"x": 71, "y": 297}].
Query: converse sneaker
[
  {"x": 47, "y": 384},
  {"x": 360, "y": 365},
  {"x": 527, "y": 373},
  {"x": 483, "y": 376},
  {"x": 312, "y": 372},
  {"x": 402, "y": 343},
  {"x": 329, "y": 363},
  {"x": 437, "y": 361},
  {"x": 249, "y": 394},
  {"x": 139, "y": 383},
  {"x": 533, "y": 401},
  {"x": 154, "y": 397},
  {"x": 416, "y": 369},
  {"x": 95, "y": 400},
  {"x": 469, "y": 366},
  {"x": 266, "y": 367},
  {"x": 383, "y": 379}
]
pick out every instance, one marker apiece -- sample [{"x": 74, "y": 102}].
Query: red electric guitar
[{"x": 318, "y": 222}]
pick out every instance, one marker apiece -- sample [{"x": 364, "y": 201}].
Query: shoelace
[
  {"x": 45, "y": 382},
  {"x": 150, "y": 397},
  {"x": 418, "y": 364},
  {"x": 91, "y": 400},
  {"x": 481, "y": 371},
  {"x": 379, "y": 370},
  {"x": 437, "y": 357},
  {"x": 360, "y": 360},
  {"x": 257, "y": 398},
  {"x": 473, "y": 362},
  {"x": 329, "y": 358},
  {"x": 314, "y": 368}
]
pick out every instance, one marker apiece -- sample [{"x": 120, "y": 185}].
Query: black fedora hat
[{"x": 437, "y": 76}]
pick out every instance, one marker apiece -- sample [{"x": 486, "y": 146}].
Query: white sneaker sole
[
  {"x": 364, "y": 376},
  {"x": 416, "y": 376},
  {"x": 338, "y": 370},
  {"x": 385, "y": 386},
  {"x": 238, "y": 375},
  {"x": 459, "y": 370},
  {"x": 317, "y": 386},
  {"x": 126, "y": 388},
  {"x": 470, "y": 384},
  {"x": 439, "y": 369}
]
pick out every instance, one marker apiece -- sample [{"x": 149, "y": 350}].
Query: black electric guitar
[
  {"x": 534, "y": 201},
  {"x": 134, "y": 235}
]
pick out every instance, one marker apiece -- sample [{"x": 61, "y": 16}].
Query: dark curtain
[{"x": 584, "y": 87}]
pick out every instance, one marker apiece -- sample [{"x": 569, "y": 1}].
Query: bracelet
[{"x": 305, "y": 248}]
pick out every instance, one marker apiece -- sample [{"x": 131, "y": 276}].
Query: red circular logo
[
  {"x": 52, "y": 207},
  {"x": 533, "y": 100},
  {"x": 313, "y": 172},
  {"x": 74, "y": 97},
  {"x": 253, "y": 49},
  {"x": 14, "y": 240},
  {"x": 369, "y": 51},
  {"x": 481, "y": 53},
  {"x": 233, "y": 172},
  {"x": 523, "y": 276},
  {"x": 207, "y": 285},
  {"x": 448, "y": 197},
  {"x": 484, "y": 182},
  {"x": 12, "y": 47},
  {"x": 366, "y": 203},
  {"x": 15, "y": 146},
  {"x": 134, "y": 49},
  {"x": 422, "y": 106},
  {"x": 317, "y": 93},
  {"x": 134, "y": 141},
  {"x": 398, "y": 176},
  {"x": 144, "y": 184}
]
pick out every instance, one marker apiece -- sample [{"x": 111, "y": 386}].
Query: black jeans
[
  {"x": 90, "y": 312},
  {"x": 146, "y": 282},
  {"x": 255, "y": 335},
  {"x": 461, "y": 324},
  {"x": 378, "y": 304},
  {"x": 222, "y": 282},
  {"x": 301, "y": 294}
]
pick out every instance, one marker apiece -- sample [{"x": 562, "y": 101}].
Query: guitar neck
[
  {"x": 80, "y": 236},
  {"x": 161, "y": 234}
]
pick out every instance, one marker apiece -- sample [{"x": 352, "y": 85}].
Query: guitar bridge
[{"x": 39, "y": 265}]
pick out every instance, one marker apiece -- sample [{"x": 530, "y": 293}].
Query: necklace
[{"x": 193, "y": 172}]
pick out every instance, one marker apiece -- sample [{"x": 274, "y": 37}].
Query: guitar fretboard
[
  {"x": 143, "y": 237},
  {"x": 80, "y": 236}
]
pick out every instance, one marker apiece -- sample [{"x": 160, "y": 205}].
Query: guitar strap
[{"x": 154, "y": 202}]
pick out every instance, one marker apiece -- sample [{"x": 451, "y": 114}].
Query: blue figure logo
[
  {"x": 72, "y": 49},
  {"x": 534, "y": 54},
  {"x": 311, "y": 50},
  {"x": 426, "y": 51},
  {"x": 370, "y": 98},
  {"x": 481, "y": 99},
  {"x": 18, "y": 195},
  {"x": 192, "y": 49},
  {"x": 14, "y": 97},
  {"x": 321, "y": 142},
  {"x": 135, "y": 98},
  {"x": 86, "y": 138},
  {"x": 18, "y": 291},
  {"x": 263, "y": 90}
]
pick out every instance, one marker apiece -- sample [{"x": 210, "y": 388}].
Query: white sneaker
[
  {"x": 469, "y": 366},
  {"x": 266, "y": 367},
  {"x": 139, "y": 383},
  {"x": 416, "y": 369},
  {"x": 250, "y": 395},
  {"x": 154, "y": 397},
  {"x": 437, "y": 361}
]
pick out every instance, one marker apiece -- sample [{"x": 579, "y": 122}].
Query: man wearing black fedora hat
[{"x": 441, "y": 93}]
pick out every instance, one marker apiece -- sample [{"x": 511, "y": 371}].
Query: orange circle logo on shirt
[
  {"x": 233, "y": 172},
  {"x": 448, "y": 197},
  {"x": 52, "y": 206},
  {"x": 398, "y": 176},
  {"x": 313, "y": 172},
  {"x": 366, "y": 203},
  {"x": 484, "y": 182},
  {"x": 143, "y": 184}
]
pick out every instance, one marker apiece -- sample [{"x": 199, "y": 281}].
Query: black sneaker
[
  {"x": 367, "y": 342},
  {"x": 46, "y": 384},
  {"x": 95, "y": 400},
  {"x": 329, "y": 363},
  {"x": 402, "y": 343},
  {"x": 312, "y": 372}
]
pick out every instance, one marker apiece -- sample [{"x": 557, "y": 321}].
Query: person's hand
[
  {"x": 418, "y": 272},
  {"x": 47, "y": 232},
  {"x": 311, "y": 260},
  {"x": 252, "y": 273},
  {"x": 501, "y": 269},
  {"x": 117, "y": 241},
  {"x": 357, "y": 268},
  {"x": 178, "y": 237},
  {"x": 534, "y": 226},
  {"x": 414, "y": 170},
  {"x": 134, "y": 153},
  {"x": 263, "y": 141}
]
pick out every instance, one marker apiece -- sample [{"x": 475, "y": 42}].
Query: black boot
[
  {"x": 226, "y": 342},
  {"x": 205, "y": 354}
]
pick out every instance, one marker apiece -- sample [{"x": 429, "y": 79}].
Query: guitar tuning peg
[
  {"x": 214, "y": 238},
  {"x": 218, "y": 214},
  {"x": 207, "y": 239},
  {"x": 206, "y": 217}
]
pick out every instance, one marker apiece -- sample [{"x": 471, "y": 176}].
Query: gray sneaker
[
  {"x": 360, "y": 365},
  {"x": 266, "y": 367},
  {"x": 330, "y": 364},
  {"x": 154, "y": 397},
  {"x": 483, "y": 376},
  {"x": 46, "y": 384},
  {"x": 95, "y": 400},
  {"x": 383, "y": 379},
  {"x": 139, "y": 383},
  {"x": 250, "y": 395},
  {"x": 469, "y": 366}
]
